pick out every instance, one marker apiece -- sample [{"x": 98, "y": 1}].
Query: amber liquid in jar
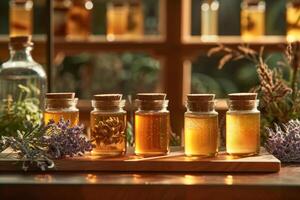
[
  {"x": 72, "y": 116},
  {"x": 201, "y": 135},
  {"x": 109, "y": 133},
  {"x": 135, "y": 27},
  {"x": 152, "y": 133},
  {"x": 293, "y": 21},
  {"x": 253, "y": 21},
  {"x": 20, "y": 15}
]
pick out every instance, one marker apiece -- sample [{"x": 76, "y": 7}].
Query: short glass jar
[
  {"x": 243, "y": 125},
  {"x": 108, "y": 125},
  {"x": 152, "y": 124},
  {"x": 61, "y": 106},
  {"x": 201, "y": 134},
  {"x": 292, "y": 20}
]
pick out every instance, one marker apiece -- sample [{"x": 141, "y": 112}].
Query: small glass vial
[
  {"x": 20, "y": 17},
  {"x": 79, "y": 20},
  {"x": 117, "y": 19},
  {"x": 252, "y": 19},
  {"x": 293, "y": 21},
  {"x": 152, "y": 125},
  {"x": 61, "y": 105},
  {"x": 243, "y": 125},
  {"x": 108, "y": 125},
  {"x": 209, "y": 19},
  {"x": 135, "y": 27},
  {"x": 61, "y": 8},
  {"x": 201, "y": 126}
]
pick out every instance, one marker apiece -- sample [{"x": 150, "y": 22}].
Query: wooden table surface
[{"x": 282, "y": 185}]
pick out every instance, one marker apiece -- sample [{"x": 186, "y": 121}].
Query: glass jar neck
[
  {"x": 200, "y": 106},
  {"x": 23, "y": 54},
  {"x": 242, "y": 105},
  {"x": 112, "y": 106},
  {"x": 61, "y": 103},
  {"x": 152, "y": 105}
]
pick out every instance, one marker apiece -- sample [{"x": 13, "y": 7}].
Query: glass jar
[
  {"x": 117, "y": 19},
  {"x": 243, "y": 125},
  {"x": 209, "y": 19},
  {"x": 61, "y": 8},
  {"x": 22, "y": 71},
  {"x": 108, "y": 125},
  {"x": 293, "y": 20},
  {"x": 152, "y": 124},
  {"x": 79, "y": 20},
  {"x": 201, "y": 126},
  {"x": 61, "y": 106},
  {"x": 252, "y": 19},
  {"x": 135, "y": 28},
  {"x": 20, "y": 17}
]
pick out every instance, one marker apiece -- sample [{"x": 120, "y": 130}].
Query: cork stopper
[
  {"x": 242, "y": 96},
  {"x": 201, "y": 102},
  {"x": 151, "y": 96},
  {"x": 242, "y": 101},
  {"x": 20, "y": 42},
  {"x": 200, "y": 97},
  {"x": 22, "y": 1},
  {"x": 65, "y": 95},
  {"x": 108, "y": 97},
  {"x": 152, "y": 101},
  {"x": 108, "y": 101},
  {"x": 61, "y": 100}
]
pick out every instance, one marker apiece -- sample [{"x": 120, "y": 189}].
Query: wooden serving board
[{"x": 174, "y": 162}]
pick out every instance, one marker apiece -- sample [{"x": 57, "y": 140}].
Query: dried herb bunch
[{"x": 279, "y": 97}]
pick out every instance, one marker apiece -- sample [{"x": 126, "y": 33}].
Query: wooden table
[{"x": 282, "y": 185}]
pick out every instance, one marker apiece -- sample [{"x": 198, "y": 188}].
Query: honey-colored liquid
[
  {"x": 201, "y": 135},
  {"x": 73, "y": 116},
  {"x": 152, "y": 134},
  {"x": 20, "y": 23},
  {"x": 252, "y": 23},
  {"x": 242, "y": 133},
  {"x": 108, "y": 132},
  {"x": 293, "y": 22},
  {"x": 78, "y": 23},
  {"x": 135, "y": 28},
  {"x": 209, "y": 19}
]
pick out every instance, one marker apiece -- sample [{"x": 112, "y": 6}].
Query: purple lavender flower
[{"x": 284, "y": 141}]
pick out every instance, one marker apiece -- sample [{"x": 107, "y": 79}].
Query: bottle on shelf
[
  {"x": 243, "y": 125},
  {"x": 293, "y": 20},
  {"x": 20, "y": 17},
  {"x": 108, "y": 125},
  {"x": 61, "y": 8},
  {"x": 135, "y": 27},
  {"x": 152, "y": 125},
  {"x": 209, "y": 19},
  {"x": 201, "y": 134},
  {"x": 252, "y": 19},
  {"x": 79, "y": 20},
  {"x": 61, "y": 105},
  {"x": 117, "y": 19},
  {"x": 22, "y": 70}
]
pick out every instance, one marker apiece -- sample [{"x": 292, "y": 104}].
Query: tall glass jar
[
  {"x": 293, "y": 20},
  {"x": 243, "y": 125},
  {"x": 108, "y": 125},
  {"x": 20, "y": 17},
  {"x": 252, "y": 19},
  {"x": 152, "y": 125},
  {"x": 61, "y": 106},
  {"x": 21, "y": 70},
  {"x": 135, "y": 28},
  {"x": 209, "y": 19},
  {"x": 201, "y": 126},
  {"x": 79, "y": 20},
  {"x": 61, "y": 8}
]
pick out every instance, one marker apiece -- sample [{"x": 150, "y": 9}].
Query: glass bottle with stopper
[{"x": 209, "y": 19}]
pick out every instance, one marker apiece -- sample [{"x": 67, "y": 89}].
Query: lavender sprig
[{"x": 284, "y": 141}]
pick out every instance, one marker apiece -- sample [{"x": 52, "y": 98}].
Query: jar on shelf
[
  {"x": 108, "y": 125},
  {"x": 117, "y": 19},
  {"x": 61, "y": 8},
  {"x": 20, "y": 17},
  {"x": 152, "y": 125},
  {"x": 209, "y": 19},
  {"x": 201, "y": 126},
  {"x": 21, "y": 72},
  {"x": 293, "y": 20},
  {"x": 79, "y": 20},
  {"x": 252, "y": 19},
  {"x": 135, "y": 27},
  {"x": 243, "y": 125},
  {"x": 61, "y": 106}
]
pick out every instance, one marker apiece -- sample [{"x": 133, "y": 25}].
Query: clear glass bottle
[
  {"x": 79, "y": 20},
  {"x": 135, "y": 27},
  {"x": 20, "y": 17},
  {"x": 252, "y": 19},
  {"x": 61, "y": 105},
  {"x": 61, "y": 8},
  {"x": 152, "y": 125},
  {"x": 201, "y": 126},
  {"x": 22, "y": 70},
  {"x": 209, "y": 19},
  {"x": 243, "y": 125},
  {"x": 108, "y": 125},
  {"x": 117, "y": 19},
  {"x": 293, "y": 20}
]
